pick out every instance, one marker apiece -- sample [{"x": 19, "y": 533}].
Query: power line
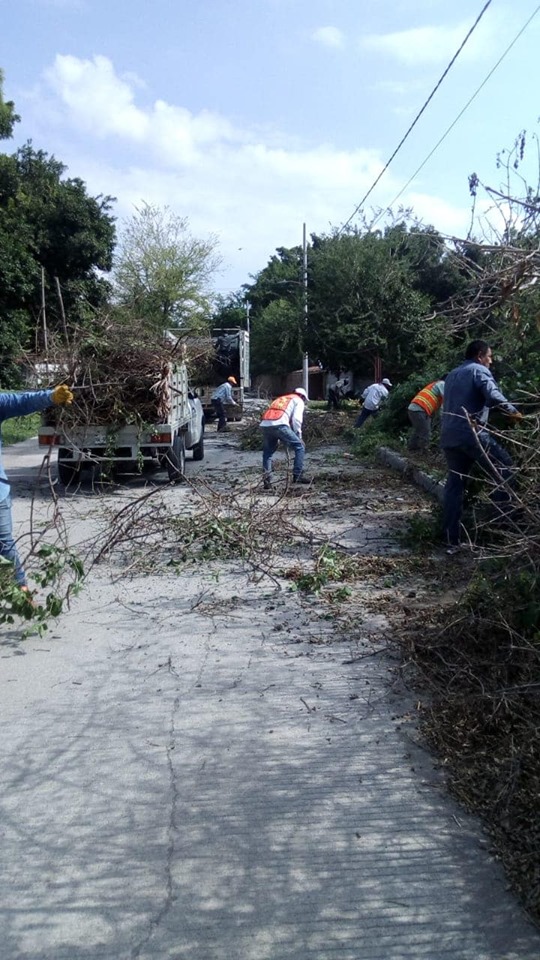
[
  {"x": 418, "y": 115},
  {"x": 460, "y": 114}
]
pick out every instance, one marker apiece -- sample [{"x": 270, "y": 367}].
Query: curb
[{"x": 409, "y": 472}]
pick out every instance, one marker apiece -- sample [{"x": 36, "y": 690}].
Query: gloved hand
[
  {"x": 62, "y": 394},
  {"x": 515, "y": 417}
]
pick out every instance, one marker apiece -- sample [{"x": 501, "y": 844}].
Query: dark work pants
[
  {"x": 493, "y": 460},
  {"x": 333, "y": 399},
  {"x": 421, "y": 432},
  {"x": 220, "y": 414},
  {"x": 364, "y": 415}
]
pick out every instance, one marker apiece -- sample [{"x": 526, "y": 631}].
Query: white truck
[{"x": 131, "y": 446}]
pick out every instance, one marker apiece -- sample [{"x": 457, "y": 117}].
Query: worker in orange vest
[
  {"x": 282, "y": 421},
  {"x": 421, "y": 410}
]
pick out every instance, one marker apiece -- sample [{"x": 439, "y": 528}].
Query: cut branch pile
[
  {"x": 479, "y": 660},
  {"x": 483, "y": 676},
  {"x": 200, "y": 356},
  {"x": 319, "y": 427},
  {"x": 224, "y": 526},
  {"x": 117, "y": 376},
  {"x": 495, "y": 285}
]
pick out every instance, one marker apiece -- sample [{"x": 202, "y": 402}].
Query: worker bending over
[{"x": 282, "y": 421}]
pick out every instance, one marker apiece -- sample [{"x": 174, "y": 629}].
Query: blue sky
[{"x": 251, "y": 117}]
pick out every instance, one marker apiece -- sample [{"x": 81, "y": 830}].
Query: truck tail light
[
  {"x": 161, "y": 438},
  {"x": 49, "y": 440}
]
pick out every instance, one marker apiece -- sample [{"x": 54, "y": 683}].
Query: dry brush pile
[
  {"x": 478, "y": 658},
  {"x": 122, "y": 374},
  {"x": 319, "y": 427}
]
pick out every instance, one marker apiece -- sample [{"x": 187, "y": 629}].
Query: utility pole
[{"x": 305, "y": 363}]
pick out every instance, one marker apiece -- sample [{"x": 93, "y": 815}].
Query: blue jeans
[
  {"x": 363, "y": 416},
  {"x": 494, "y": 461},
  {"x": 8, "y": 550},
  {"x": 271, "y": 438}
]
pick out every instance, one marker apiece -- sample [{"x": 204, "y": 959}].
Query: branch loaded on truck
[
  {"x": 231, "y": 359},
  {"x": 136, "y": 424}
]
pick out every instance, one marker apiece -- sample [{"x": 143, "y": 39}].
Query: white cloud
[
  {"x": 329, "y": 37},
  {"x": 251, "y": 189},
  {"x": 98, "y": 101},
  {"x": 448, "y": 219},
  {"x": 247, "y": 185},
  {"x": 427, "y": 45}
]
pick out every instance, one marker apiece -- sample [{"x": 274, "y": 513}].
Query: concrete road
[{"x": 187, "y": 775}]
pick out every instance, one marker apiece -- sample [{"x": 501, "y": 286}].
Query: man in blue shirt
[
  {"x": 20, "y": 405},
  {"x": 221, "y": 396},
  {"x": 469, "y": 392}
]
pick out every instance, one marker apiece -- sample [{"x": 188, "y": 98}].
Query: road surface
[{"x": 202, "y": 767}]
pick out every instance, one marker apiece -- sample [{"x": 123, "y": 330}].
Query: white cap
[
  {"x": 301, "y": 392},
  {"x": 386, "y": 382}
]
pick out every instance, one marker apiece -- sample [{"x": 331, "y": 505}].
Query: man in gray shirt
[
  {"x": 470, "y": 390},
  {"x": 223, "y": 395}
]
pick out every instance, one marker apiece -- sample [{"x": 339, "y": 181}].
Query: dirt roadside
[{"x": 213, "y": 753}]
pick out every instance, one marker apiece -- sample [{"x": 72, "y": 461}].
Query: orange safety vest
[
  {"x": 278, "y": 406},
  {"x": 428, "y": 400}
]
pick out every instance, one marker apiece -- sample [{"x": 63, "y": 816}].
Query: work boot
[
  {"x": 302, "y": 478},
  {"x": 267, "y": 482}
]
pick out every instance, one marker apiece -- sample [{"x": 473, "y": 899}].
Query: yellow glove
[
  {"x": 514, "y": 417},
  {"x": 62, "y": 394}
]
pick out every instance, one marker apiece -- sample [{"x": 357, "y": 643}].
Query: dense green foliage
[
  {"x": 20, "y": 428},
  {"x": 54, "y": 239},
  {"x": 232, "y": 311},
  {"x": 8, "y": 117},
  {"x": 370, "y": 295}
]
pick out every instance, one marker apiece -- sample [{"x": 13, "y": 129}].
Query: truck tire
[
  {"x": 68, "y": 473},
  {"x": 176, "y": 459},
  {"x": 198, "y": 448}
]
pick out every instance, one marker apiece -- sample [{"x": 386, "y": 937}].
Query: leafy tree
[
  {"x": 363, "y": 305},
  {"x": 279, "y": 280},
  {"x": 370, "y": 295},
  {"x": 8, "y": 117},
  {"x": 53, "y": 237},
  {"x": 277, "y": 313},
  {"x": 276, "y": 346},
  {"x": 162, "y": 273},
  {"x": 230, "y": 311},
  {"x": 436, "y": 270}
]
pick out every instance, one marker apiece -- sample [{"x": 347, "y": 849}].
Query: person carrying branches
[
  {"x": 20, "y": 405},
  {"x": 470, "y": 390}
]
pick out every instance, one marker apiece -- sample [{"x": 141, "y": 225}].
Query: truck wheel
[
  {"x": 198, "y": 449},
  {"x": 176, "y": 459},
  {"x": 68, "y": 473}
]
